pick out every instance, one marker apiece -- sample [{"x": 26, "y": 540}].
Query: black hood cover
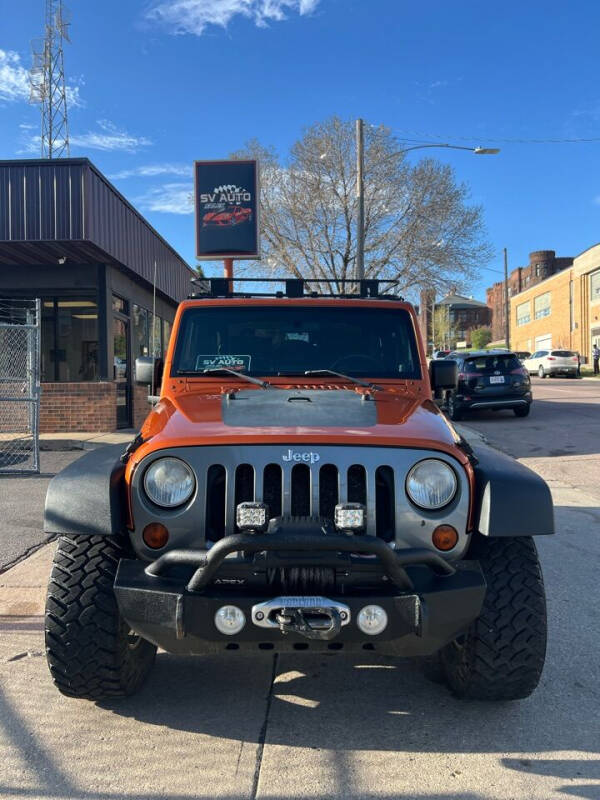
[{"x": 292, "y": 408}]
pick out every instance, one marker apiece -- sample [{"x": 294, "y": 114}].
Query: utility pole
[
  {"x": 506, "y": 303},
  {"x": 360, "y": 195},
  {"x": 47, "y": 82}
]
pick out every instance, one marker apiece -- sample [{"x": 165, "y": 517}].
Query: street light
[{"x": 360, "y": 188}]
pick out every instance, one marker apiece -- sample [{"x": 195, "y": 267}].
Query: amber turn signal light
[
  {"x": 155, "y": 535},
  {"x": 444, "y": 537}
]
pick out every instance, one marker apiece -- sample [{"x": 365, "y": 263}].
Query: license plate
[{"x": 497, "y": 379}]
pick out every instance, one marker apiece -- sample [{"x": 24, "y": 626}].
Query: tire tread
[
  {"x": 86, "y": 638},
  {"x": 503, "y": 653}
]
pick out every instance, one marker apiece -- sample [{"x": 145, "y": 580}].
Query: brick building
[
  {"x": 462, "y": 315},
  {"x": 562, "y": 311},
  {"x": 68, "y": 237},
  {"x": 542, "y": 265}
]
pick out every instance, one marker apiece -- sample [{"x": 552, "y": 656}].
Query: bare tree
[{"x": 419, "y": 228}]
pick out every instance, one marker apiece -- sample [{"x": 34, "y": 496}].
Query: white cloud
[
  {"x": 109, "y": 137},
  {"x": 170, "y": 198},
  {"x": 152, "y": 170},
  {"x": 14, "y": 81},
  {"x": 14, "y": 78},
  {"x": 193, "y": 16}
]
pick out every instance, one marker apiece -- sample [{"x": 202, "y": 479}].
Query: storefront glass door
[{"x": 121, "y": 371}]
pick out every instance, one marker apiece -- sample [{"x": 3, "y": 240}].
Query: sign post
[{"x": 227, "y": 212}]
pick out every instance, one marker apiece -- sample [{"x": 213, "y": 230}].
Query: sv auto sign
[{"x": 227, "y": 207}]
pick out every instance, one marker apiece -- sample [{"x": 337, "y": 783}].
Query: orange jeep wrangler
[{"x": 295, "y": 488}]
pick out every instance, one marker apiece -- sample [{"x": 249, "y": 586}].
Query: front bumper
[
  {"x": 428, "y": 602},
  {"x": 490, "y": 402}
]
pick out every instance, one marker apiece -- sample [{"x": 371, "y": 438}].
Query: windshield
[
  {"x": 490, "y": 364},
  {"x": 563, "y": 353},
  {"x": 291, "y": 340}
]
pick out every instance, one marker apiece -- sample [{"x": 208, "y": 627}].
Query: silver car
[{"x": 552, "y": 362}]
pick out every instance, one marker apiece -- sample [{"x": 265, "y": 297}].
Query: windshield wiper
[
  {"x": 357, "y": 381},
  {"x": 235, "y": 373}
]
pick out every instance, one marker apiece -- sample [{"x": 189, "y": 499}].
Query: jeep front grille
[
  {"x": 325, "y": 475},
  {"x": 299, "y": 490}
]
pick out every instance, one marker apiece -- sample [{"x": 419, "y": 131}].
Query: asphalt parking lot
[
  {"x": 22, "y": 506},
  {"x": 325, "y": 726}
]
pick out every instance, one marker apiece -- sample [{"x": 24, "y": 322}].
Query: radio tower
[{"x": 47, "y": 81}]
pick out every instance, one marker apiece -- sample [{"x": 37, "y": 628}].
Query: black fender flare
[
  {"x": 88, "y": 496},
  {"x": 510, "y": 499}
]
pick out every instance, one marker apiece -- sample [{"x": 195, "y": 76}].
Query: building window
[
  {"x": 120, "y": 305},
  {"x": 69, "y": 339},
  {"x": 140, "y": 331},
  {"x": 595, "y": 287},
  {"x": 524, "y": 313},
  {"x": 156, "y": 348},
  {"x": 542, "y": 306},
  {"x": 166, "y": 336}
]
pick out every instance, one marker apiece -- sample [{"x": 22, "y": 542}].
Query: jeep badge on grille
[{"x": 310, "y": 457}]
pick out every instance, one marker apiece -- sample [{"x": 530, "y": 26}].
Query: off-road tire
[
  {"x": 90, "y": 650},
  {"x": 502, "y": 654},
  {"x": 522, "y": 411}
]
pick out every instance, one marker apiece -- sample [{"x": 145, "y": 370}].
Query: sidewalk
[{"x": 83, "y": 440}]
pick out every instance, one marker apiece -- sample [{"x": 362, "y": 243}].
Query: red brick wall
[
  {"x": 520, "y": 279},
  {"x": 141, "y": 406},
  {"x": 90, "y": 406}
]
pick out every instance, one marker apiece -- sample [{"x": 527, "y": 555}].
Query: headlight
[
  {"x": 431, "y": 484},
  {"x": 169, "y": 482}
]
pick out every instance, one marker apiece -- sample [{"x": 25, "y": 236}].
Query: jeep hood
[{"x": 394, "y": 417}]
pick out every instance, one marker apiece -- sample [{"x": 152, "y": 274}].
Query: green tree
[
  {"x": 444, "y": 329},
  {"x": 481, "y": 337}
]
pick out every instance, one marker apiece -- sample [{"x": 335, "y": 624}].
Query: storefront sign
[{"x": 227, "y": 208}]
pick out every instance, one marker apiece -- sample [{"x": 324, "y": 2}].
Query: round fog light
[
  {"x": 230, "y": 620},
  {"x": 155, "y": 535},
  {"x": 444, "y": 537},
  {"x": 372, "y": 620}
]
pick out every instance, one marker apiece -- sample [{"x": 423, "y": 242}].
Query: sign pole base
[{"x": 228, "y": 271}]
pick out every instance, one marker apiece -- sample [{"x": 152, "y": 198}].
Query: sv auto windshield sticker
[{"x": 239, "y": 363}]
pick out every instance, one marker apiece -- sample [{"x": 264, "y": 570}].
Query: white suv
[{"x": 552, "y": 362}]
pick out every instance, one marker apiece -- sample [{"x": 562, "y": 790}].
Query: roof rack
[{"x": 294, "y": 288}]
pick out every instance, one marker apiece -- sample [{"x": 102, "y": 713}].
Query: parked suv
[
  {"x": 552, "y": 362},
  {"x": 491, "y": 380},
  {"x": 295, "y": 489}
]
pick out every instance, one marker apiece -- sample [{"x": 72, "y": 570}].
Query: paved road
[
  {"x": 561, "y": 436},
  {"x": 22, "y": 507},
  {"x": 326, "y": 727}
]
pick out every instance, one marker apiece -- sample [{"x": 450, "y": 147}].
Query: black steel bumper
[{"x": 428, "y": 601}]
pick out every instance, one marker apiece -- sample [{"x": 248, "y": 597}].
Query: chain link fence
[{"x": 19, "y": 385}]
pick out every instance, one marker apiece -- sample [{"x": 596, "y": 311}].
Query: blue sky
[{"x": 157, "y": 84}]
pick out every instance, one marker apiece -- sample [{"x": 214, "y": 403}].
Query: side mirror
[
  {"x": 443, "y": 373},
  {"x": 148, "y": 371}
]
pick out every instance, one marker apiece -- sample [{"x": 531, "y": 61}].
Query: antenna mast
[{"x": 47, "y": 81}]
